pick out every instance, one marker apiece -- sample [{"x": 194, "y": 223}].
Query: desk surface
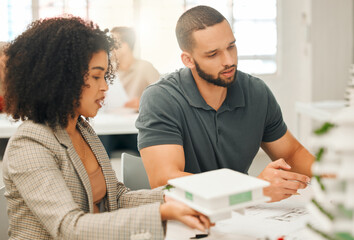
[
  {"x": 103, "y": 124},
  {"x": 287, "y": 218}
]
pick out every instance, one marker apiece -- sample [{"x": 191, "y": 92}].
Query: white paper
[
  {"x": 264, "y": 221},
  {"x": 116, "y": 96}
]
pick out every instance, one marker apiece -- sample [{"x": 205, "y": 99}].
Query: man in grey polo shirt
[{"x": 209, "y": 115}]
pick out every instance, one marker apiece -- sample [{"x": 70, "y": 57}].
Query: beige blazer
[{"x": 49, "y": 192}]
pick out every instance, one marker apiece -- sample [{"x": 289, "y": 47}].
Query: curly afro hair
[{"x": 46, "y": 68}]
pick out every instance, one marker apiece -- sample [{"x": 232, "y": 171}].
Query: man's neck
[{"x": 213, "y": 95}]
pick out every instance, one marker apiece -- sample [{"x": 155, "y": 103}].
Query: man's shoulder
[
  {"x": 251, "y": 83},
  {"x": 245, "y": 78},
  {"x": 167, "y": 93},
  {"x": 169, "y": 82}
]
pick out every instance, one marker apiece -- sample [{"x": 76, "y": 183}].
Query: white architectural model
[
  {"x": 332, "y": 207},
  {"x": 216, "y": 193}
]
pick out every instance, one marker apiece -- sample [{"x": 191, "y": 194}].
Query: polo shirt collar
[{"x": 235, "y": 97}]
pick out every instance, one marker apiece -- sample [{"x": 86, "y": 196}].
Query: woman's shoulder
[
  {"x": 31, "y": 129},
  {"x": 31, "y": 133},
  {"x": 32, "y": 146}
]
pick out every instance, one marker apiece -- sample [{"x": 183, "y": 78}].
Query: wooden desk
[{"x": 270, "y": 221}]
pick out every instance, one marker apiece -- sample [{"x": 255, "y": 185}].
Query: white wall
[
  {"x": 293, "y": 81},
  {"x": 316, "y": 49},
  {"x": 332, "y": 37}
]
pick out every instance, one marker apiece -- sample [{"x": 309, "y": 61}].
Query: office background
[
  {"x": 302, "y": 49},
  {"x": 310, "y": 40}
]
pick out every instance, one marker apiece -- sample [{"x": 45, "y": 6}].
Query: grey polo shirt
[{"x": 172, "y": 111}]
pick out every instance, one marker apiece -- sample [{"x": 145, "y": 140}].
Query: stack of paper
[{"x": 216, "y": 193}]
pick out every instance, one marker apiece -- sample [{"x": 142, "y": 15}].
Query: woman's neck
[{"x": 71, "y": 128}]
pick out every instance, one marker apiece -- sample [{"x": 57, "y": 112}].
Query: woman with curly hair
[{"x": 58, "y": 178}]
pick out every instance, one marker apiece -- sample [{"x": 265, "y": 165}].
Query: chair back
[
  {"x": 133, "y": 172},
  {"x": 4, "y": 221}
]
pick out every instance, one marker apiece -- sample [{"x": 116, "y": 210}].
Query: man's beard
[{"x": 216, "y": 81}]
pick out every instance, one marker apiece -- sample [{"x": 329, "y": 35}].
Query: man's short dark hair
[
  {"x": 197, "y": 18},
  {"x": 126, "y": 34}
]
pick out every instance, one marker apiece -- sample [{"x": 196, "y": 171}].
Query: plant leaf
[{"x": 324, "y": 128}]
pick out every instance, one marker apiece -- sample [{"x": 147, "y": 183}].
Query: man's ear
[{"x": 187, "y": 60}]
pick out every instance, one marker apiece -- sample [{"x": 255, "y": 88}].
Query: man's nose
[{"x": 228, "y": 59}]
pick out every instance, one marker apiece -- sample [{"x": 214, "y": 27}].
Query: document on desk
[
  {"x": 286, "y": 218},
  {"x": 267, "y": 221}
]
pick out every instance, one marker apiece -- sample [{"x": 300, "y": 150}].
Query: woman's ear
[{"x": 187, "y": 60}]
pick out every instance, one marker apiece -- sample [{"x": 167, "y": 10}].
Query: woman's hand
[{"x": 174, "y": 210}]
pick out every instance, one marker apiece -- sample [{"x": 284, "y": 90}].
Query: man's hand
[{"x": 283, "y": 184}]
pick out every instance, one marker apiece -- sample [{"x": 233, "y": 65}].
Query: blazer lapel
[
  {"x": 65, "y": 140},
  {"x": 103, "y": 160}
]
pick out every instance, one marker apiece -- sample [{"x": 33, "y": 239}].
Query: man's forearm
[
  {"x": 162, "y": 180},
  {"x": 301, "y": 161}
]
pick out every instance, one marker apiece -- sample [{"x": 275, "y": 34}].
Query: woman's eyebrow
[{"x": 98, "y": 67}]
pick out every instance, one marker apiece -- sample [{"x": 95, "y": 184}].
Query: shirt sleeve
[
  {"x": 158, "y": 122},
  {"x": 275, "y": 126}
]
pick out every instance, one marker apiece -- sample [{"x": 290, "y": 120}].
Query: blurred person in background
[{"x": 134, "y": 74}]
